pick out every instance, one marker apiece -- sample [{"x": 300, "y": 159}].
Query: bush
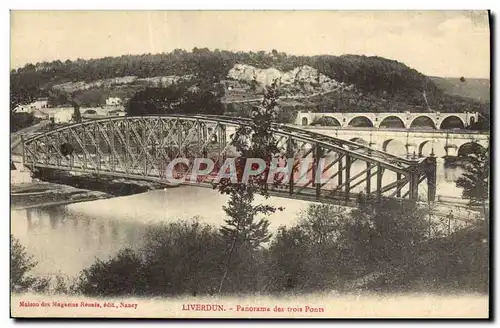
[
  {"x": 183, "y": 258},
  {"x": 20, "y": 265},
  {"x": 122, "y": 275},
  {"x": 20, "y": 121},
  {"x": 176, "y": 99},
  {"x": 378, "y": 246}
]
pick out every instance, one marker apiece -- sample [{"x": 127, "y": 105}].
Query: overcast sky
[{"x": 447, "y": 43}]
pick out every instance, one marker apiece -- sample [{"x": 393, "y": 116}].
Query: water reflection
[{"x": 63, "y": 241}]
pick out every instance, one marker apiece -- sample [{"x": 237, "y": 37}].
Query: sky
[{"x": 437, "y": 43}]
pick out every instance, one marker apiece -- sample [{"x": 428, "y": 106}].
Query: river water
[{"x": 68, "y": 238}]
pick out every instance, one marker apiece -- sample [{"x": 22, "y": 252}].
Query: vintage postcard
[{"x": 250, "y": 164}]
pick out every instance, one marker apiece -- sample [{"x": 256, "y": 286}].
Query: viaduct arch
[{"x": 406, "y": 120}]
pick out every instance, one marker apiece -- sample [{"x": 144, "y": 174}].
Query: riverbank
[
  {"x": 60, "y": 188},
  {"x": 106, "y": 184},
  {"x": 40, "y": 193}
]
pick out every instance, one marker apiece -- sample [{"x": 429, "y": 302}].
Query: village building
[
  {"x": 113, "y": 101},
  {"x": 30, "y": 108}
]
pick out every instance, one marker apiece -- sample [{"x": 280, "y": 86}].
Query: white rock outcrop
[{"x": 308, "y": 78}]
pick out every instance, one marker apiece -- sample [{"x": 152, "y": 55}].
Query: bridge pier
[
  {"x": 380, "y": 174},
  {"x": 431, "y": 174},
  {"x": 368, "y": 178},
  {"x": 347, "y": 177},
  {"x": 451, "y": 150},
  {"x": 413, "y": 186},
  {"x": 411, "y": 150}
]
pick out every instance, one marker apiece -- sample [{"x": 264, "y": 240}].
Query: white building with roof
[
  {"x": 30, "y": 108},
  {"x": 113, "y": 101}
]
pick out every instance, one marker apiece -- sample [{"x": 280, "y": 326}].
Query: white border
[{"x": 191, "y": 5}]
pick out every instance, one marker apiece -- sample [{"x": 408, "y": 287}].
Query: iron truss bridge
[{"x": 142, "y": 147}]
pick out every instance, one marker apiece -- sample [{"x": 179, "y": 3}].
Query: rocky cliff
[
  {"x": 154, "y": 81},
  {"x": 304, "y": 77}
]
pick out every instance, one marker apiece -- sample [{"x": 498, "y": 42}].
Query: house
[
  {"x": 30, "y": 108},
  {"x": 40, "y": 103},
  {"x": 113, "y": 101},
  {"x": 23, "y": 109}
]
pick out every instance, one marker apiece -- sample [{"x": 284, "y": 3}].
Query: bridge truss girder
[{"x": 142, "y": 147}]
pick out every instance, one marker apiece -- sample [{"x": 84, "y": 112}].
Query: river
[{"x": 66, "y": 239}]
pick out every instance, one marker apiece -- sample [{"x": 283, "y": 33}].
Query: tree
[
  {"x": 77, "y": 116},
  {"x": 156, "y": 101},
  {"x": 241, "y": 219},
  {"x": 255, "y": 141},
  {"x": 384, "y": 239},
  {"x": 203, "y": 98},
  {"x": 306, "y": 256},
  {"x": 322, "y": 223},
  {"x": 475, "y": 180},
  {"x": 121, "y": 275},
  {"x": 24, "y": 88},
  {"x": 20, "y": 265},
  {"x": 57, "y": 98},
  {"x": 194, "y": 97},
  {"x": 90, "y": 98},
  {"x": 22, "y": 120}
]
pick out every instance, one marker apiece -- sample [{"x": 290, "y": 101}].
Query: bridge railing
[{"x": 383, "y": 129}]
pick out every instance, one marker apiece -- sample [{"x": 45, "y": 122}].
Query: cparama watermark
[{"x": 238, "y": 170}]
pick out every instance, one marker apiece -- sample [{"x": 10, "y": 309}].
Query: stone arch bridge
[
  {"x": 411, "y": 143},
  {"x": 142, "y": 148},
  {"x": 406, "y": 120}
]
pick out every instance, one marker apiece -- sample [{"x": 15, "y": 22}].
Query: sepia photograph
[{"x": 250, "y": 164}]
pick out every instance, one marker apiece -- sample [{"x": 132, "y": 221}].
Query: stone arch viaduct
[
  {"x": 411, "y": 143},
  {"x": 405, "y": 120}
]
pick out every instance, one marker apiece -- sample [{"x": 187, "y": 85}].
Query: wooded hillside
[{"x": 386, "y": 84}]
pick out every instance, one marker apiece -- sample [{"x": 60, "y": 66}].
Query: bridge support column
[
  {"x": 380, "y": 174},
  {"x": 414, "y": 186},
  {"x": 112, "y": 148},
  {"x": 431, "y": 178},
  {"x": 317, "y": 170},
  {"x": 368, "y": 178},
  {"x": 127, "y": 147},
  {"x": 347, "y": 177},
  {"x": 341, "y": 168},
  {"x": 223, "y": 136},
  {"x": 289, "y": 152},
  {"x": 23, "y": 152},
  {"x": 97, "y": 147},
  {"x": 398, "y": 179}
]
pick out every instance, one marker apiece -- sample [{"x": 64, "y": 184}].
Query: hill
[
  {"x": 478, "y": 89},
  {"x": 317, "y": 83}
]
